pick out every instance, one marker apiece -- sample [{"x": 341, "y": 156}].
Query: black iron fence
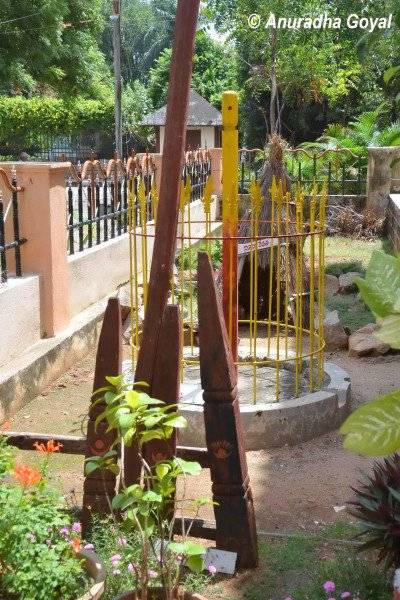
[
  {"x": 198, "y": 168},
  {"x": 10, "y": 239},
  {"x": 98, "y": 194},
  {"x": 343, "y": 172}
]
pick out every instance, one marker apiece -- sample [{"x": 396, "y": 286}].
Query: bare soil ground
[{"x": 294, "y": 487}]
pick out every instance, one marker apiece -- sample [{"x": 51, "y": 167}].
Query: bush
[{"x": 28, "y": 119}]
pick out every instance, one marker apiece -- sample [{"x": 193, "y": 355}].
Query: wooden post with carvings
[
  {"x": 166, "y": 380},
  {"x": 234, "y": 514},
  {"x": 99, "y": 486}
]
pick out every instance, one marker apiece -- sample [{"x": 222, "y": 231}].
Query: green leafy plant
[
  {"x": 187, "y": 257},
  {"x": 149, "y": 507},
  {"x": 377, "y": 509},
  {"x": 38, "y": 542},
  {"x": 374, "y": 428}
]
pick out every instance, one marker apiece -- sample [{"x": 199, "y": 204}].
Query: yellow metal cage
[{"x": 281, "y": 283}]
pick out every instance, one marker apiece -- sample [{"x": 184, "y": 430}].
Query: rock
[
  {"x": 346, "y": 282},
  {"x": 331, "y": 285},
  {"x": 364, "y": 343},
  {"x": 335, "y": 336}
]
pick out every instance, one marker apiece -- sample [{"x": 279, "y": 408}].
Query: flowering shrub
[
  {"x": 38, "y": 544},
  {"x": 121, "y": 553},
  {"x": 331, "y": 593}
]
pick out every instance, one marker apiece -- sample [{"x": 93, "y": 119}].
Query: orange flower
[
  {"x": 26, "y": 476},
  {"x": 48, "y": 448},
  {"x": 76, "y": 544}
]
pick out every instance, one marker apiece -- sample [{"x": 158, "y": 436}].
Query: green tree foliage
[
  {"x": 135, "y": 104},
  {"x": 51, "y": 45},
  {"x": 146, "y": 28},
  {"x": 301, "y": 79},
  {"x": 214, "y": 70}
]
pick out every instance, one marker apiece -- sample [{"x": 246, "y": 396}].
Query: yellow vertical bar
[
  {"x": 141, "y": 194},
  {"x": 273, "y": 192},
  {"x": 287, "y": 242},
  {"x": 298, "y": 290},
  {"x": 312, "y": 285},
  {"x": 182, "y": 202},
  {"x": 230, "y": 153},
  {"x": 132, "y": 272},
  {"x": 278, "y": 284},
  {"x": 188, "y": 188},
  {"x": 321, "y": 283}
]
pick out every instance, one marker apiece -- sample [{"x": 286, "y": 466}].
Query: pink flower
[
  {"x": 289, "y": 598},
  {"x": 329, "y": 586},
  {"x": 64, "y": 531},
  {"x": 345, "y": 595},
  {"x": 152, "y": 573},
  {"x": 88, "y": 547},
  {"x": 116, "y": 558},
  {"x": 212, "y": 570},
  {"x": 131, "y": 568},
  {"x": 76, "y": 527},
  {"x": 121, "y": 541}
]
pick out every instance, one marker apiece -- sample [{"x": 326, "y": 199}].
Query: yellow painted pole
[{"x": 230, "y": 151}]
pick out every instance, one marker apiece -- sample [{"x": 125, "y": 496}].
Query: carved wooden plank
[
  {"x": 234, "y": 514},
  {"x": 71, "y": 444},
  {"x": 166, "y": 385},
  {"x": 74, "y": 444},
  {"x": 99, "y": 487},
  {"x": 205, "y": 530},
  {"x": 166, "y": 381},
  {"x": 168, "y": 207}
]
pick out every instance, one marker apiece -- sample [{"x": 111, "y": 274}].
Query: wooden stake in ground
[
  {"x": 168, "y": 207},
  {"x": 234, "y": 511},
  {"x": 99, "y": 486}
]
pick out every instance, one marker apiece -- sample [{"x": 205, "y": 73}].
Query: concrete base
[
  {"x": 26, "y": 376},
  {"x": 279, "y": 423}
]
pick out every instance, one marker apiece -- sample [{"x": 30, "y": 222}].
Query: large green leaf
[
  {"x": 188, "y": 467},
  {"x": 195, "y": 563},
  {"x": 380, "y": 289},
  {"x": 374, "y": 428},
  {"x": 390, "y": 331},
  {"x": 176, "y": 421}
]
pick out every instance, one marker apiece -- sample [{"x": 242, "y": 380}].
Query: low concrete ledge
[
  {"x": 25, "y": 377},
  {"x": 280, "y": 423},
  {"x": 19, "y": 315}
]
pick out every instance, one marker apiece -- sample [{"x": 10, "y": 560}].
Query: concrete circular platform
[
  {"x": 271, "y": 424},
  {"x": 274, "y": 424}
]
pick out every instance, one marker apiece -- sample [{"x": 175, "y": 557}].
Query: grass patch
[
  {"x": 353, "y": 312},
  {"x": 294, "y": 568},
  {"x": 350, "y": 574},
  {"x": 344, "y": 254}
]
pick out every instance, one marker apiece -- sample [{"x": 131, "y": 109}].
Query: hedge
[{"x": 31, "y": 118}]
